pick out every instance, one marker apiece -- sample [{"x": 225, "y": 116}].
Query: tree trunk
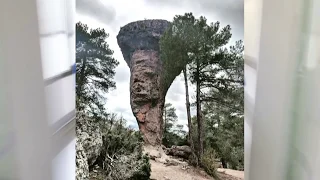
[
  {"x": 188, "y": 109},
  {"x": 165, "y": 119},
  {"x": 82, "y": 76},
  {"x": 199, "y": 116},
  {"x": 224, "y": 163}
]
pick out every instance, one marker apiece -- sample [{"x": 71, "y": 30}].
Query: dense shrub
[
  {"x": 208, "y": 162},
  {"x": 135, "y": 166},
  {"x": 121, "y": 157},
  {"x": 173, "y": 139}
]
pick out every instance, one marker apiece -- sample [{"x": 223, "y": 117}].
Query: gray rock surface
[
  {"x": 179, "y": 151},
  {"x": 140, "y": 35},
  {"x": 82, "y": 167},
  {"x": 88, "y": 146},
  {"x": 90, "y": 136}
]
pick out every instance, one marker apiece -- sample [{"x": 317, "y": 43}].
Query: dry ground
[{"x": 160, "y": 171}]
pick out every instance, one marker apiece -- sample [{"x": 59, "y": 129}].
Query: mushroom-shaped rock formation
[{"x": 139, "y": 43}]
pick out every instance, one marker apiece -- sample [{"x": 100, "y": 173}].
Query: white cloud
[
  {"x": 226, "y": 11},
  {"x": 111, "y": 15},
  {"x": 96, "y": 9},
  {"x": 123, "y": 73}
]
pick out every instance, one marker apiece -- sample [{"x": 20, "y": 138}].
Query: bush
[
  {"x": 233, "y": 155},
  {"x": 208, "y": 162},
  {"x": 236, "y": 159},
  {"x": 121, "y": 157},
  {"x": 129, "y": 167},
  {"x": 172, "y": 139},
  {"x": 193, "y": 160}
]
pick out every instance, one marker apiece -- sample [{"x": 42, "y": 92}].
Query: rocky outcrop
[
  {"x": 82, "y": 167},
  {"x": 88, "y": 146},
  {"x": 139, "y": 43},
  {"x": 179, "y": 151}
]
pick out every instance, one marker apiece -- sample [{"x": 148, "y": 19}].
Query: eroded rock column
[
  {"x": 146, "y": 99},
  {"x": 139, "y": 43}
]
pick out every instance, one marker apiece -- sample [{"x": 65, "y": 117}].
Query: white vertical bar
[
  {"x": 58, "y": 55},
  {"x": 7, "y": 155},
  {"x": 315, "y": 31},
  {"x": 54, "y": 36},
  {"x": 253, "y": 13},
  {"x": 24, "y": 90},
  {"x": 304, "y": 146},
  {"x": 71, "y": 11},
  {"x": 279, "y": 43}
]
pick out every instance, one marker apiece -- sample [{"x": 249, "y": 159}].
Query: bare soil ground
[
  {"x": 160, "y": 171},
  {"x": 231, "y": 172}
]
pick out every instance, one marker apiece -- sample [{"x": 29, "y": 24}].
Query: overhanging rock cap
[{"x": 140, "y": 35}]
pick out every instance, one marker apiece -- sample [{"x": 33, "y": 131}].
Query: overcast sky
[{"x": 113, "y": 14}]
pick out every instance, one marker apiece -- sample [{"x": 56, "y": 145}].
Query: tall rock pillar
[{"x": 139, "y": 43}]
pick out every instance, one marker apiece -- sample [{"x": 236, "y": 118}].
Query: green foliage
[
  {"x": 189, "y": 40},
  {"x": 218, "y": 72},
  {"x": 169, "y": 117},
  {"x": 172, "y": 138},
  {"x": 175, "y": 44},
  {"x": 130, "y": 167},
  {"x": 143, "y": 171},
  {"x": 192, "y": 41},
  {"x": 223, "y": 107},
  {"x": 119, "y": 139},
  {"x": 173, "y": 133},
  {"x": 122, "y": 157},
  {"x": 208, "y": 162},
  {"x": 95, "y": 69}
]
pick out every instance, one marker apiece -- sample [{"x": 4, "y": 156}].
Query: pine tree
[
  {"x": 192, "y": 41},
  {"x": 223, "y": 107},
  {"x": 95, "y": 69},
  {"x": 169, "y": 119}
]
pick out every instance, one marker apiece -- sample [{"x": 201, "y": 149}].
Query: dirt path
[
  {"x": 234, "y": 173},
  {"x": 160, "y": 171}
]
